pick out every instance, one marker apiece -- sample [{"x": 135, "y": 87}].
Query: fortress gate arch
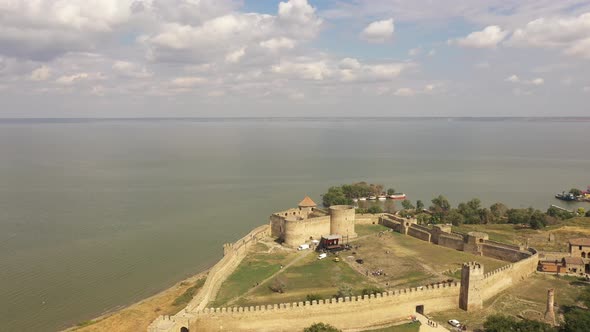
[{"x": 184, "y": 329}]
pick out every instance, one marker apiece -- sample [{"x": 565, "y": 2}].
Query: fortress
[
  {"x": 298, "y": 225},
  {"x": 307, "y": 222}
]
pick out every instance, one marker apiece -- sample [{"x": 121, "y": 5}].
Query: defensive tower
[
  {"x": 471, "y": 284},
  {"x": 342, "y": 220}
]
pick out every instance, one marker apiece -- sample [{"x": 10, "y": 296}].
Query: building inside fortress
[{"x": 307, "y": 222}]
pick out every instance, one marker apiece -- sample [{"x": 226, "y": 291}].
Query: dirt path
[{"x": 299, "y": 257}]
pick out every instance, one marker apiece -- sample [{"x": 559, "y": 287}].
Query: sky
[{"x": 290, "y": 58}]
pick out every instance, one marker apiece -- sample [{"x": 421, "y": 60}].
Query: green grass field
[
  {"x": 257, "y": 266},
  {"x": 362, "y": 230},
  {"x": 309, "y": 276},
  {"x": 407, "y": 327}
]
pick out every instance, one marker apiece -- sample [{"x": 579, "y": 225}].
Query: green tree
[
  {"x": 390, "y": 191},
  {"x": 519, "y": 216},
  {"x": 577, "y": 320},
  {"x": 559, "y": 213},
  {"x": 407, "y": 205},
  {"x": 537, "y": 220},
  {"x": 374, "y": 209},
  {"x": 344, "y": 290},
  {"x": 371, "y": 290},
  {"x": 321, "y": 327},
  {"x": 470, "y": 211},
  {"x": 581, "y": 211},
  {"x": 440, "y": 207},
  {"x": 575, "y": 191},
  {"x": 485, "y": 216},
  {"x": 335, "y": 196},
  {"x": 454, "y": 217},
  {"x": 498, "y": 211},
  {"x": 419, "y": 205},
  {"x": 423, "y": 218},
  {"x": 587, "y": 213}
]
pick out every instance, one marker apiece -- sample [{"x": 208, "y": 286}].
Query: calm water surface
[{"x": 98, "y": 214}]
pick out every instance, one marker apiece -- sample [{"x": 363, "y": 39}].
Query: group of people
[{"x": 432, "y": 323}]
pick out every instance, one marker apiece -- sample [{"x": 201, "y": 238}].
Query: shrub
[
  {"x": 321, "y": 327},
  {"x": 371, "y": 290},
  {"x": 313, "y": 297}
]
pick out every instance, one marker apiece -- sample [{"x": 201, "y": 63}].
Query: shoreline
[{"x": 138, "y": 315}]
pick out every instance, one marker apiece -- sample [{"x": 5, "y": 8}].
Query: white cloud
[
  {"x": 432, "y": 52},
  {"x": 534, "y": 81},
  {"x": 349, "y": 63},
  {"x": 278, "y": 43},
  {"x": 213, "y": 38},
  {"x": 404, "y": 92},
  {"x": 489, "y": 37},
  {"x": 414, "y": 51},
  {"x": 379, "y": 31},
  {"x": 316, "y": 70},
  {"x": 128, "y": 69},
  {"x": 513, "y": 79},
  {"x": 41, "y": 74},
  {"x": 235, "y": 56},
  {"x": 187, "y": 81},
  {"x": 79, "y": 77},
  {"x": 569, "y": 34}
]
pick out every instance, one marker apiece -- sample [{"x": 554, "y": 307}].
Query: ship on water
[{"x": 565, "y": 196}]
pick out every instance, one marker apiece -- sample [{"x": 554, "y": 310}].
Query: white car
[
  {"x": 322, "y": 256},
  {"x": 454, "y": 323}
]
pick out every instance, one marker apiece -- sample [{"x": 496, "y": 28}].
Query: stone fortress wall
[
  {"x": 299, "y": 225},
  {"x": 233, "y": 254},
  {"x": 357, "y": 312}
]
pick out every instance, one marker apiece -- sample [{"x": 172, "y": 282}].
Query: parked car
[
  {"x": 322, "y": 255},
  {"x": 454, "y": 323},
  {"x": 360, "y": 261},
  {"x": 303, "y": 247}
]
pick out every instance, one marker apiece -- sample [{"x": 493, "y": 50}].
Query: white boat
[
  {"x": 398, "y": 196},
  {"x": 362, "y": 199},
  {"x": 372, "y": 198},
  {"x": 355, "y": 200},
  {"x": 381, "y": 197}
]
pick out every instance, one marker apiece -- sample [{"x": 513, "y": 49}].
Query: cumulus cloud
[
  {"x": 567, "y": 33},
  {"x": 404, "y": 92},
  {"x": 44, "y": 29},
  {"x": 378, "y": 31},
  {"x": 278, "y": 43},
  {"x": 187, "y": 81},
  {"x": 295, "y": 22},
  {"x": 128, "y": 69},
  {"x": 316, "y": 70},
  {"x": 489, "y": 37},
  {"x": 79, "y": 77},
  {"x": 41, "y": 74},
  {"x": 349, "y": 63},
  {"x": 515, "y": 79},
  {"x": 235, "y": 56}
]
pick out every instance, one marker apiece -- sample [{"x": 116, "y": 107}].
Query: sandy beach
[{"x": 138, "y": 316}]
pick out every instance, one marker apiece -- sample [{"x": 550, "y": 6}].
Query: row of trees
[
  {"x": 472, "y": 212},
  {"x": 344, "y": 194}
]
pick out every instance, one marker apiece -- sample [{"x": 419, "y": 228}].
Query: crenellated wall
[
  {"x": 349, "y": 313},
  {"x": 508, "y": 275},
  {"x": 233, "y": 254}
]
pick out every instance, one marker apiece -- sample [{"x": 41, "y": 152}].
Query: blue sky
[{"x": 128, "y": 58}]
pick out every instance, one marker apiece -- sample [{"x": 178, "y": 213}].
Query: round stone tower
[{"x": 342, "y": 220}]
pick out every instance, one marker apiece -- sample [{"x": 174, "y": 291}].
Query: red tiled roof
[
  {"x": 573, "y": 261},
  {"x": 307, "y": 202},
  {"x": 582, "y": 241}
]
